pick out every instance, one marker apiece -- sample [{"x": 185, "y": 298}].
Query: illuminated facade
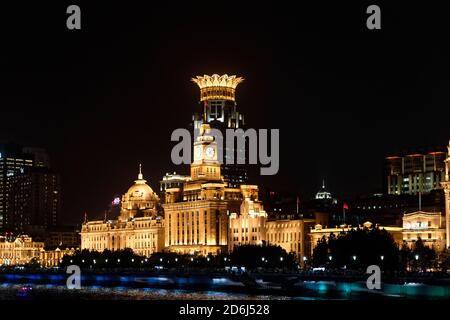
[
  {"x": 139, "y": 227},
  {"x": 291, "y": 235},
  {"x": 446, "y": 186},
  {"x": 52, "y": 258},
  {"x": 249, "y": 225},
  {"x": 197, "y": 214},
  {"x": 429, "y": 226},
  {"x": 19, "y": 251}
]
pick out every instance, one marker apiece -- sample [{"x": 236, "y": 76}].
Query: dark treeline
[
  {"x": 248, "y": 256},
  {"x": 359, "y": 248}
]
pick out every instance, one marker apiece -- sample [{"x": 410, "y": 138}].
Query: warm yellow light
[
  {"x": 217, "y": 81},
  {"x": 217, "y": 87}
]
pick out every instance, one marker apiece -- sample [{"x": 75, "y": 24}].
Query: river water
[{"x": 38, "y": 287}]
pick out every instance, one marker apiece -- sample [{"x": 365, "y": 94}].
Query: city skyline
[{"x": 102, "y": 111}]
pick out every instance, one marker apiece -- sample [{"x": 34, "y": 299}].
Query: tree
[
  {"x": 267, "y": 256},
  {"x": 358, "y": 249},
  {"x": 320, "y": 253},
  {"x": 423, "y": 256}
]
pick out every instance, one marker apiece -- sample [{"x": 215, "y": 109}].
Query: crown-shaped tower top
[{"x": 217, "y": 87}]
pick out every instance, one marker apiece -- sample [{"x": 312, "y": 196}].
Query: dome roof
[
  {"x": 323, "y": 193},
  {"x": 140, "y": 190}
]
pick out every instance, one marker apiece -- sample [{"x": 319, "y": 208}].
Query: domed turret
[
  {"x": 140, "y": 200},
  {"x": 323, "y": 193}
]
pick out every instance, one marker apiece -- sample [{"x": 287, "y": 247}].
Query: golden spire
[{"x": 140, "y": 175}]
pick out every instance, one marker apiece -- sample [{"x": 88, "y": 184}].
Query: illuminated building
[
  {"x": 249, "y": 225},
  {"x": 19, "y": 251},
  {"x": 414, "y": 172},
  {"x": 291, "y": 234},
  {"x": 318, "y": 232},
  {"x": 196, "y": 214},
  {"x": 139, "y": 227},
  {"x": 171, "y": 180},
  {"x": 23, "y": 249},
  {"x": 16, "y": 160},
  {"x": 52, "y": 258},
  {"x": 218, "y": 109},
  {"x": 34, "y": 201},
  {"x": 446, "y": 186},
  {"x": 429, "y": 226}
]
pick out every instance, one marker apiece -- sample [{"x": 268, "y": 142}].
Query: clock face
[
  {"x": 197, "y": 153},
  {"x": 210, "y": 152}
]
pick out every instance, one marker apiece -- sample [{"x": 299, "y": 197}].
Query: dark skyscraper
[
  {"x": 416, "y": 171},
  {"x": 218, "y": 109},
  {"x": 34, "y": 201},
  {"x": 29, "y": 191}
]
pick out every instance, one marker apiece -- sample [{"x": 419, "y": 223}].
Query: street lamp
[
  {"x": 160, "y": 259},
  {"x": 330, "y": 258},
  {"x": 382, "y": 258},
  {"x": 192, "y": 259},
  {"x": 281, "y": 258},
  {"x": 176, "y": 259},
  {"x": 132, "y": 260},
  {"x": 417, "y": 257},
  {"x": 118, "y": 260},
  {"x": 225, "y": 259},
  {"x": 207, "y": 259},
  {"x": 262, "y": 259},
  {"x": 106, "y": 260},
  {"x": 354, "y": 258}
]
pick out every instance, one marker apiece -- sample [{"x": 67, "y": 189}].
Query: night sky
[{"x": 107, "y": 97}]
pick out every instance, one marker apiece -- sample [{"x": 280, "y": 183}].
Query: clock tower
[{"x": 206, "y": 165}]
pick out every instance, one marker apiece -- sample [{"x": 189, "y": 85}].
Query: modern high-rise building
[
  {"x": 33, "y": 202},
  {"x": 420, "y": 171},
  {"x": 15, "y": 160},
  {"x": 218, "y": 109}
]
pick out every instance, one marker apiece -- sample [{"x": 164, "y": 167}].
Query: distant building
[
  {"x": 34, "y": 201},
  {"x": 428, "y": 226},
  {"x": 139, "y": 227},
  {"x": 415, "y": 171},
  {"x": 389, "y": 209},
  {"x": 62, "y": 237},
  {"x": 16, "y": 160},
  {"x": 19, "y": 251}
]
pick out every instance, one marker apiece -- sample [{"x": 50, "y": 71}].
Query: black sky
[{"x": 107, "y": 97}]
